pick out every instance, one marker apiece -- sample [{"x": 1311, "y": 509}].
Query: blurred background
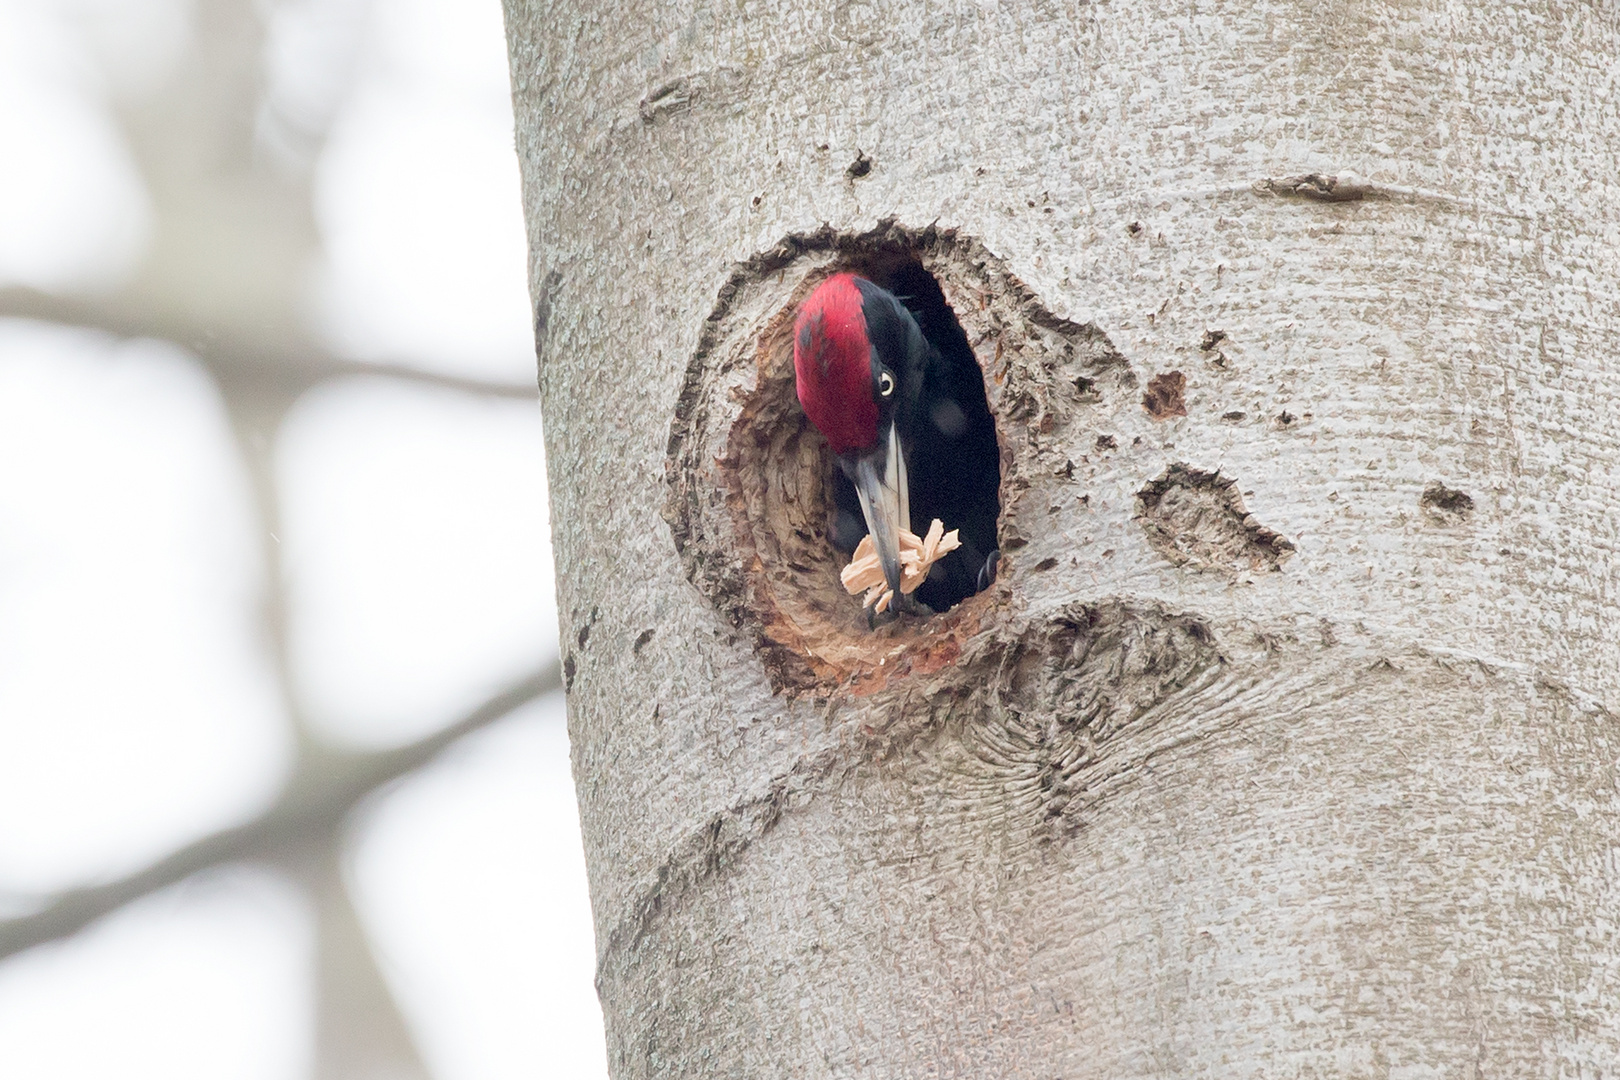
[{"x": 284, "y": 785}]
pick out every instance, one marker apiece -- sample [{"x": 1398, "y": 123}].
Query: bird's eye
[{"x": 885, "y": 384}]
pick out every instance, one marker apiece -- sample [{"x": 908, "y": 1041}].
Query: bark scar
[
  {"x": 1066, "y": 685},
  {"x": 1316, "y": 187},
  {"x": 1197, "y": 519},
  {"x": 673, "y": 96}
]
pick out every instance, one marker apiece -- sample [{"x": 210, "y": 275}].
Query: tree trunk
[{"x": 1282, "y": 746}]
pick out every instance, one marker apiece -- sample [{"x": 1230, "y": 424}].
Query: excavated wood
[{"x": 917, "y": 553}]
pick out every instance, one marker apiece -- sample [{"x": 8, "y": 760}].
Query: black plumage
[{"x": 946, "y": 432}]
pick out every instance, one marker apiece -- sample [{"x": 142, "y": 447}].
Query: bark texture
[{"x": 1285, "y": 745}]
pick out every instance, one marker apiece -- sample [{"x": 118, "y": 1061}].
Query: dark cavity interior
[{"x": 952, "y": 458}]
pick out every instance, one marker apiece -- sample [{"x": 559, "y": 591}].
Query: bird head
[{"x": 857, "y": 357}]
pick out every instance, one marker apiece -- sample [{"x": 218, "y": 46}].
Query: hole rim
[{"x": 1027, "y": 357}]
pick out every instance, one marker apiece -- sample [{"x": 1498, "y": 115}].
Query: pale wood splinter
[{"x": 917, "y": 554}]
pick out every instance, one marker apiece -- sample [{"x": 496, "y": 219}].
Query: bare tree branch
[
  {"x": 276, "y": 364},
  {"x": 324, "y": 787}
]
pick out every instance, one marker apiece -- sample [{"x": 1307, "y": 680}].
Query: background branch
[
  {"x": 313, "y": 805},
  {"x": 274, "y": 366}
]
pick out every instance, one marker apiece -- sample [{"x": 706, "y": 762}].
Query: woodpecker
[{"x": 909, "y": 425}]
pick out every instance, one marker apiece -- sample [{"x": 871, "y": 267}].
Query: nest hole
[
  {"x": 802, "y": 511},
  {"x": 755, "y": 508}
]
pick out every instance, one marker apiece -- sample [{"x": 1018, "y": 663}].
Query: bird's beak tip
[{"x": 880, "y": 481}]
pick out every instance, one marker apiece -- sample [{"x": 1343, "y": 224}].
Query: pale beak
[{"x": 880, "y": 481}]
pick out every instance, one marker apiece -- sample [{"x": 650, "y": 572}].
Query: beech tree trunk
[{"x": 1284, "y": 745}]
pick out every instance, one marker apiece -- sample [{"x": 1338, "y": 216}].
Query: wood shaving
[{"x": 917, "y": 554}]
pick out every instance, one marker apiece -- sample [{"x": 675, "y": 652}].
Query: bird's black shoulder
[{"x": 891, "y": 329}]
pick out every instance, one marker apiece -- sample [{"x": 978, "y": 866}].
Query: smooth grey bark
[{"x": 1285, "y": 746}]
